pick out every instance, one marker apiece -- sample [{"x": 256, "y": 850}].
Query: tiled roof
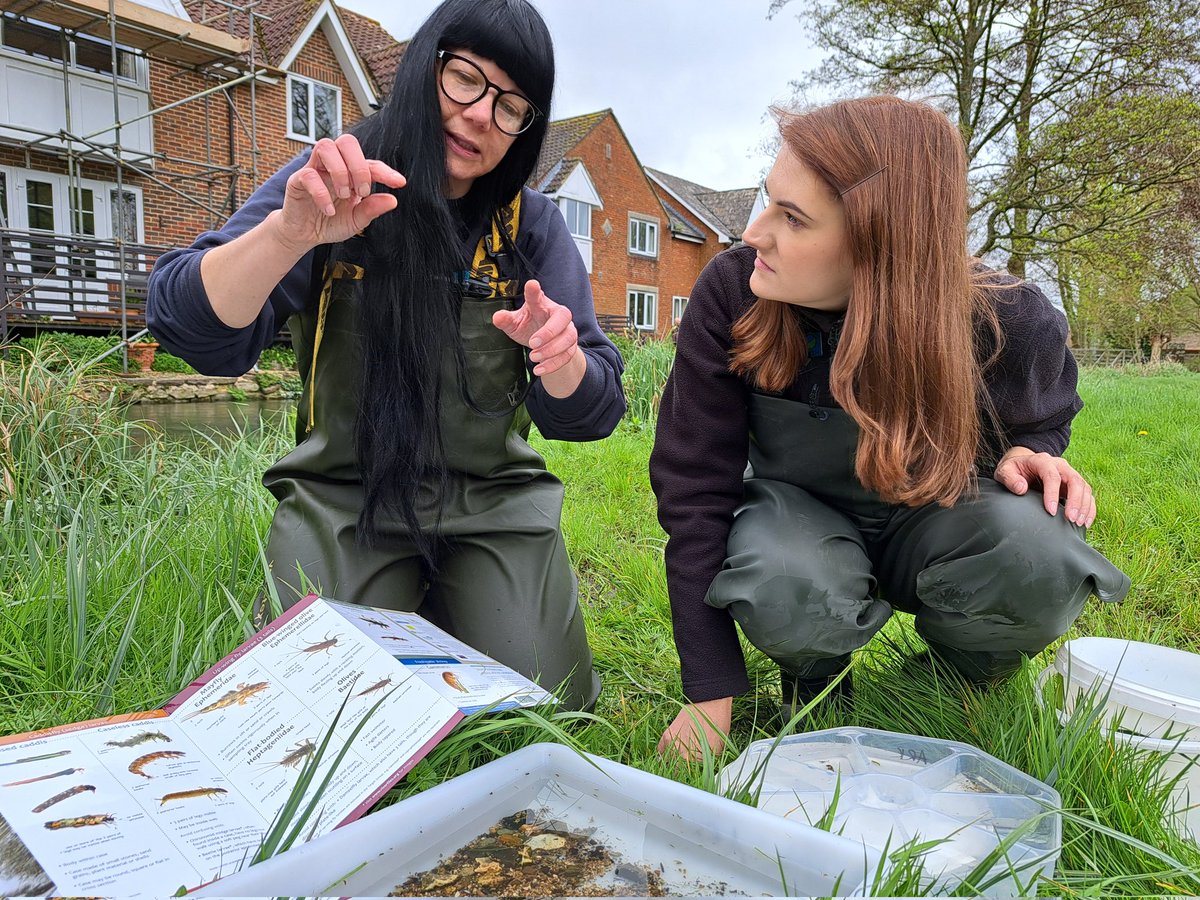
[
  {"x": 732, "y": 207},
  {"x": 284, "y": 20},
  {"x": 280, "y": 25},
  {"x": 680, "y": 224},
  {"x": 378, "y": 49},
  {"x": 728, "y": 210},
  {"x": 562, "y": 136},
  {"x": 558, "y": 174}
]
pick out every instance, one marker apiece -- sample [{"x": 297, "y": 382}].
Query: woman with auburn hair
[
  {"x": 903, "y": 411},
  {"x": 437, "y": 307}
]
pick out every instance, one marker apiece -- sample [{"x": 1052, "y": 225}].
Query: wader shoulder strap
[{"x": 492, "y": 248}]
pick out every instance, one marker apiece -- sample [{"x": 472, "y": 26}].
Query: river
[{"x": 189, "y": 422}]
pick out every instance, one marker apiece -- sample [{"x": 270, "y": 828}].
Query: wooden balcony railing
[{"x": 54, "y": 281}]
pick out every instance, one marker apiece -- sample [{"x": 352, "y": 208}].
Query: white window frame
[
  {"x": 61, "y": 186},
  {"x": 563, "y": 205},
  {"x": 678, "y": 305},
  {"x": 649, "y": 300},
  {"x": 312, "y": 112},
  {"x": 643, "y": 236}
]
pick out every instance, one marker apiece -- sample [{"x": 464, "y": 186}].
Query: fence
[
  {"x": 57, "y": 281},
  {"x": 1104, "y": 357}
]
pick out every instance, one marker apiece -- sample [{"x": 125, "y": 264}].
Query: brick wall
[
  {"x": 209, "y": 130},
  {"x": 625, "y": 190}
]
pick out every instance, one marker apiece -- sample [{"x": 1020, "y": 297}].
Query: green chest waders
[
  {"x": 503, "y": 582},
  {"x": 816, "y": 563}
]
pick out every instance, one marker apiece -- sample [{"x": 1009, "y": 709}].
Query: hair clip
[{"x": 861, "y": 181}]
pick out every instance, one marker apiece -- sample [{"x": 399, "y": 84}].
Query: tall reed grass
[{"x": 129, "y": 563}]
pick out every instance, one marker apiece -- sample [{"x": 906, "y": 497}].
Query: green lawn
[{"x": 128, "y": 565}]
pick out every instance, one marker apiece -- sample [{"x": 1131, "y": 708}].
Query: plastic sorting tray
[
  {"x": 894, "y": 788},
  {"x": 704, "y": 844}
]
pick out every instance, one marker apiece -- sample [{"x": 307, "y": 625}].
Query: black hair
[{"x": 408, "y": 317}]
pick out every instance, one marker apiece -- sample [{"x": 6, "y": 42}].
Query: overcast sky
[{"x": 689, "y": 80}]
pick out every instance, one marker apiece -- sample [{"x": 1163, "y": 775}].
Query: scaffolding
[{"x": 211, "y": 49}]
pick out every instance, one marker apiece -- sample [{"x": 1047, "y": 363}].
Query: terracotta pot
[{"x": 142, "y": 355}]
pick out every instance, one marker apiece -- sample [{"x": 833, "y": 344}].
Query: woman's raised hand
[
  {"x": 548, "y": 330},
  {"x": 329, "y": 199}
]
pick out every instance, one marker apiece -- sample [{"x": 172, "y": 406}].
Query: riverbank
[{"x": 170, "y": 387}]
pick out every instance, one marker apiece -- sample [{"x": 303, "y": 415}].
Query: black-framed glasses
[{"x": 464, "y": 83}]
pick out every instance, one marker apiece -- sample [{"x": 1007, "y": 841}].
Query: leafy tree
[{"x": 1054, "y": 98}]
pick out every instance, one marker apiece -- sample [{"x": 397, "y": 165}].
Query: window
[
  {"x": 642, "y": 308},
  {"x": 578, "y": 216},
  {"x": 643, "y": 237},
  {"x": 314, "y": 110},
  {"x": 96, "y": 56},
  {"x": 39, "y": 213},
  {"x": 39, "y": 205},
  {"x": 124, "y": 215},
  {"x": 89, "y": 54},
  {"x": 35, "y": 40},
  {"x": 83, "y": 222},
  {"x": 3, "y": 199},
  {"x": 678, "y": 305}
]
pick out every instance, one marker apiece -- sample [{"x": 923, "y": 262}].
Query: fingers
[
  {"x": 345, "y": 173},
  {"x": 1047, "y": 473},
  {"x": 385, "y": 174},
  {"x": 1008, "y": 473},
  {"x": 535, "y": 297},
  {"x": 553, "y": 345},
  {"x": 372, "y": 208},
  {"x": 309, "y": 184},
  {"x": 1080, "y": 504},
  {"x": 327, "y": 158}
]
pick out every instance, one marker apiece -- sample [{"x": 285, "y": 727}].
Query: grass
[{"x": 129, "y": 563}]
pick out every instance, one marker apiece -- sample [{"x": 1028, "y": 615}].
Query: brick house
[
  {"x": 213, "y": 98},
  {"x": 643, "y": 234},
  {"x": 206, "y": 115}
]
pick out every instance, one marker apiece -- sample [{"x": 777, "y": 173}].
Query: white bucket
[{"x": 1150, "y": 694}]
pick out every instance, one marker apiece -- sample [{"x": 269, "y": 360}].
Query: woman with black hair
[{"x": 433, "y": 320}]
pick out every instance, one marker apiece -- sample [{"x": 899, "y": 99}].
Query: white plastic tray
[
  {"x": 705, "y": 844},
  {"x": 892, "y": 788}
]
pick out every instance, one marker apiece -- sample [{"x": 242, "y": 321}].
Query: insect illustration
[
  {"x": 142, "y": 761},
  {"x": 68, "y": 793},
  {"x": 43, "y": 777},
  {"x": 451, "y": 679},
  {"x": 376, "y": 622},
  {"x": 140, "y": 738},
  {"x": 392, "y": 637},
  {"x": 188, "y": 795},
  {"x": 321, "y": 646},
  {"x": 377, "y": 686},
  {"x": 302, "y": 750},
  {"x": 238, "y": 695},
  {"x": 36, "y": 758},
  {"x": 80, "y": 822}
]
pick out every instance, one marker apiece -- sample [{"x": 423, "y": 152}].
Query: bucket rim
[{"x": 1069, "y": 664}]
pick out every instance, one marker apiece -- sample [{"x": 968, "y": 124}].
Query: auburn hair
[{"x": 921, "y": 325}]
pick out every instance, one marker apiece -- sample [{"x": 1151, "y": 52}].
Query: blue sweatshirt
[{"x": 180, "y": 316}]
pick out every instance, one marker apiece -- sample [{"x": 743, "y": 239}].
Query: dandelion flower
[{"x": 1140, "y": 433}]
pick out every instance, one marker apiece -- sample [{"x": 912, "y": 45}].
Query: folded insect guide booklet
[{"x": 144, "y": 803}]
